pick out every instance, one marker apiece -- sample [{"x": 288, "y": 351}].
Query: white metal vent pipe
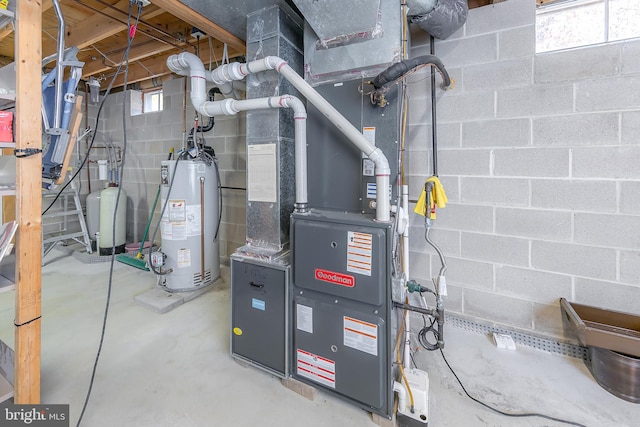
[
  {"x": 237, "y": 71},
  {"x": 188, "y": 64},
  {"x": 231, "y": 106}
]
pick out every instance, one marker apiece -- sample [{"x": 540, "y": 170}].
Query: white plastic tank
[
  {"x": 108, "y": 198},
  {"x": 189, "y": 224},
  {"x": 93, "y": 213}
]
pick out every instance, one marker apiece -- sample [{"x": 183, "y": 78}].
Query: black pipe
[
  {"x": 434, "y": 131},
  {"x": 401, "y": 68},
  {"x": 440, "y": 319},
  {"x": 210, "y": 122},
  {"x": 383, "y": 81},
  {"x": 432, "y": 313},
  {"x": 437, "y": 314}
]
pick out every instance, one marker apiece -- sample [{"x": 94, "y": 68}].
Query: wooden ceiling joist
[
  {"x": 98, "y": 27},
  {"x": 141, "y": 51},
  {"x": 157, "y": 66},
  {"x": 184, "y": 12}
]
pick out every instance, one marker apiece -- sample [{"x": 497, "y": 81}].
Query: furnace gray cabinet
[
  {"x": 341, "y": 311},
  {"x": 259, "y": 315}
]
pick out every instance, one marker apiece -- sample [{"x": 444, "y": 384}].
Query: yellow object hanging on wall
[{"x": 437, "y": 198}]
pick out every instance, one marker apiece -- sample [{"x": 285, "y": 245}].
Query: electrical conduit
[
  {"x": 405, "y": 268},
  {"x": 228, "y": 73}
]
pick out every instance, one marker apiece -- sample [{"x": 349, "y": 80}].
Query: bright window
[
  {"x": 145, "y": 102},
  {"x": 573, "y": 23},
  {"x": 152, "y": 101}
]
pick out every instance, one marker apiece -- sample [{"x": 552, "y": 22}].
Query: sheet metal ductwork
[{"x": 442, "y": 20}]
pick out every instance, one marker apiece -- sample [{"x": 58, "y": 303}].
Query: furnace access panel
[{"x": 340, "y": 313}]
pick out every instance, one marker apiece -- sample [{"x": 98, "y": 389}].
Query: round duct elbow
[{"x": 444, "y": 19}]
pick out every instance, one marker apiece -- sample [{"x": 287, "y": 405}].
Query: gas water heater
[{"x": 189, "y": 224}]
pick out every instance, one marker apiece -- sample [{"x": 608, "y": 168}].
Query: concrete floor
[{"x": 175, "y": 369}]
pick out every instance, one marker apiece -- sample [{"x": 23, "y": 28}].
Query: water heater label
[
  {"x": 304, "y": 318},
  {"x": 361, "y": 335},
  {"x": 359, "y": 253},
  {"x": 193, "y": 220},
  {"x": 335, "y": 278},
  {"x": 177, "y": 210},
  {"x": 173, "y": 230},
  {"x": 184, "y": 258},
  {"x": 316, "y": 368}
]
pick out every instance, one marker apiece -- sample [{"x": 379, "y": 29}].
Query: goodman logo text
[{"x": 335, "y": 278}]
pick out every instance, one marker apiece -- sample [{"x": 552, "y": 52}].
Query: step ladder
[{"x": 51, "y": 238}]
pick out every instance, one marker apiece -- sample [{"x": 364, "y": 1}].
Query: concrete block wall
[
  {"x": 149, "y": 139},
  {"x": 540, "y": 158}
]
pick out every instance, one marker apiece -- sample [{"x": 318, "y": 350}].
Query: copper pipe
[{"x": 202, "y": 228}]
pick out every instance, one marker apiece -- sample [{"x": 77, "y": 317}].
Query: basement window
[
  {"x": 145, "y": 102},
  {"x": 574, "y": 23}
]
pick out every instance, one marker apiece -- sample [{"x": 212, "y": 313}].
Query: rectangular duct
[
  {"x": 357, "y": 54},
  {"x": 272, "y": 31},
  {"x": 331, "y": 19}
]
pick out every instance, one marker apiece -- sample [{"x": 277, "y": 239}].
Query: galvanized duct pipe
[
  {"x": 442, "y": 20},
  {"x": 237, "y": 71}
]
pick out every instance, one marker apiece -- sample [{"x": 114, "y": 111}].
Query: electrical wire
[
  {"x": 422, "y": 335},
  {"x": 220, "y": 206},
  {"x": 125, "y": 60},
  {"x": 164, "y": 207},
  {"x": 523, "y": 415}
]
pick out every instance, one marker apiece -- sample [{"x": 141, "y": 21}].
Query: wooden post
[{"x": 28, "y": 122}]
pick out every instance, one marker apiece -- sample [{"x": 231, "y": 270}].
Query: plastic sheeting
[{"x": 444, "y": 19}]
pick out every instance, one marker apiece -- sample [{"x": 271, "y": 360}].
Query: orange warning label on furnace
[
  {"x": 361, "y": 335},
  {"x": 359, "y": 253},
  {"x": 316, "y": 368}
]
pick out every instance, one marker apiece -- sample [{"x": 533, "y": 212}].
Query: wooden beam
[
  {"x": 98, "y": 27},
  {"x": 142, "y": 51},
  {"x": 479, "y": 3},
  {"x": 29, "y": 203},
  {"x": 74, "y": 127},
  {"x": 190, "y": 16},
  {"x": 46, "y": 5}
]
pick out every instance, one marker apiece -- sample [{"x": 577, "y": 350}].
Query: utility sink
[
  {"x": 597, "y": 327},
  {"x": 613, "y": 339}
]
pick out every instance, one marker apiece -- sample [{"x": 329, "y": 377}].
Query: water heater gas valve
[{"x": 158, "y": 259}]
